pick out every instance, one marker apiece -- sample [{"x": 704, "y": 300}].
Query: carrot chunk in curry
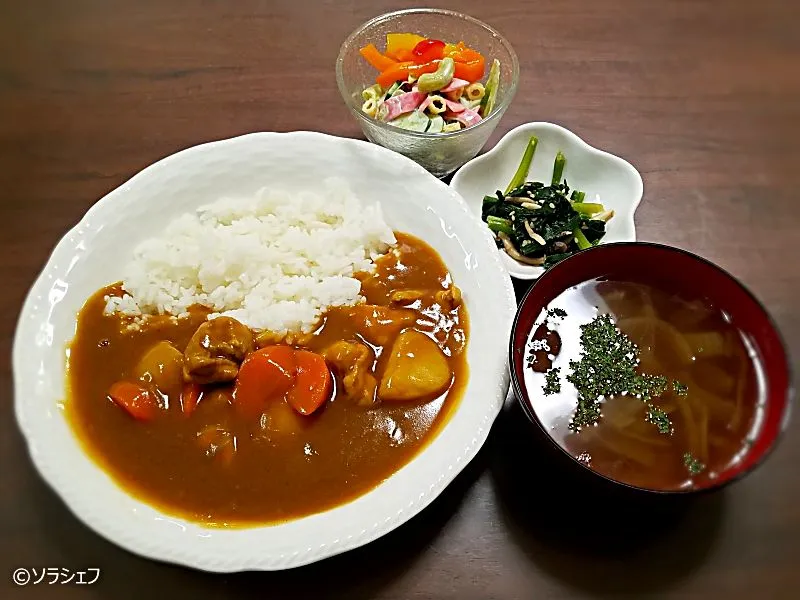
[{"x": 221, "y": 424}]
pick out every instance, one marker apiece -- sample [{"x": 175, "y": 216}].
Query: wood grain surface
[{"x": 702, "y": 97}]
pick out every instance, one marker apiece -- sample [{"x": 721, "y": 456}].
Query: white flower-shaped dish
[
  {"x": 90, "y": 255},
  {"x": 604, "y": 177}
]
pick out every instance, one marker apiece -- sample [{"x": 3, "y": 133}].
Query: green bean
[
  {"x": 587, "y": 208},
  {"x": 490, "y": 201},
  {"x": 581, "y": 240},
  {"x": 558, "y": 167},
  {"x": 498, "y": 224},
  {"x": 432, "y": 82},
  {"x": 524, "y": 166}
]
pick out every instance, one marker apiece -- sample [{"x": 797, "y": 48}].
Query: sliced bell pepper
[
  {"x": 471, "y": 71},
  {"x": 397, "y": 72},
  {"x": 401, "y": 71},
  {"x": 395, "y": 42},
  {"x": 470, "y": 64},
  {"x": 428, "y": 50},
  {"x": 404, "y": 55},
  {"x": 375, "y": 58},
  {"x": 464, "y": 54},
  {"x": 450, "y": 48},
  {"x": 454, "y": 50}
]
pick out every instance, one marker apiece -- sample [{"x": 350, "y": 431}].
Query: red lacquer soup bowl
[{"x": 684, "y": 275}]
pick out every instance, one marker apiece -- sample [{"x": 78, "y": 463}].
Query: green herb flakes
[
  {"x": 693, "y": 465},
  {"x": 679, "y": 388},
  {"x": 552, "y": 383},
  {"x": 647, "y": 387},
  {"x": 660, "y": 419},
  {"x": 606, "y": 368},
  {"x": 587, "y": 413}
]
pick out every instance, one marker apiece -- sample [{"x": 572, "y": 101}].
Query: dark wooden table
[{"x": 703, "y": 97}]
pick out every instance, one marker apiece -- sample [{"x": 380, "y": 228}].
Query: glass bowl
[{"x": 439, "y": 153}]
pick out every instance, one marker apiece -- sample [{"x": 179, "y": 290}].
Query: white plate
[
  {"x": 89, "y": 257},
  {"x": 604, "y": 177}
]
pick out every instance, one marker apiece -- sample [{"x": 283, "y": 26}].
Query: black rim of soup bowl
[{"x": 527, "y": 407}]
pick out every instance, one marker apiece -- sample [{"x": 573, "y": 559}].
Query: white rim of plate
[{"x": 204, "y": 559}]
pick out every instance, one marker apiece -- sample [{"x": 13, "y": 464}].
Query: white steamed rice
[{"x": 274, "y": 261}]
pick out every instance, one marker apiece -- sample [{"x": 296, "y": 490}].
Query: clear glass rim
[{"x": 499, "y": 109}]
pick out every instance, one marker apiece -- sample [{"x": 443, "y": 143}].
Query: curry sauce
[{"x": 220, "y": 467}]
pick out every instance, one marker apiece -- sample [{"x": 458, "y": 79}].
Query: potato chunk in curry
[
  {"x": 417, "y": 368},
  {"x": 162, "y": 366}
]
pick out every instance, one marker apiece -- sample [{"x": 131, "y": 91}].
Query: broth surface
[
  {"x": 685, "y": 340},
  {"x": 313, "y": 464}
]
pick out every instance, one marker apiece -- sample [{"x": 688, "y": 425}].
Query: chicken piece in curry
[{"x": 218, "y": 423}]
